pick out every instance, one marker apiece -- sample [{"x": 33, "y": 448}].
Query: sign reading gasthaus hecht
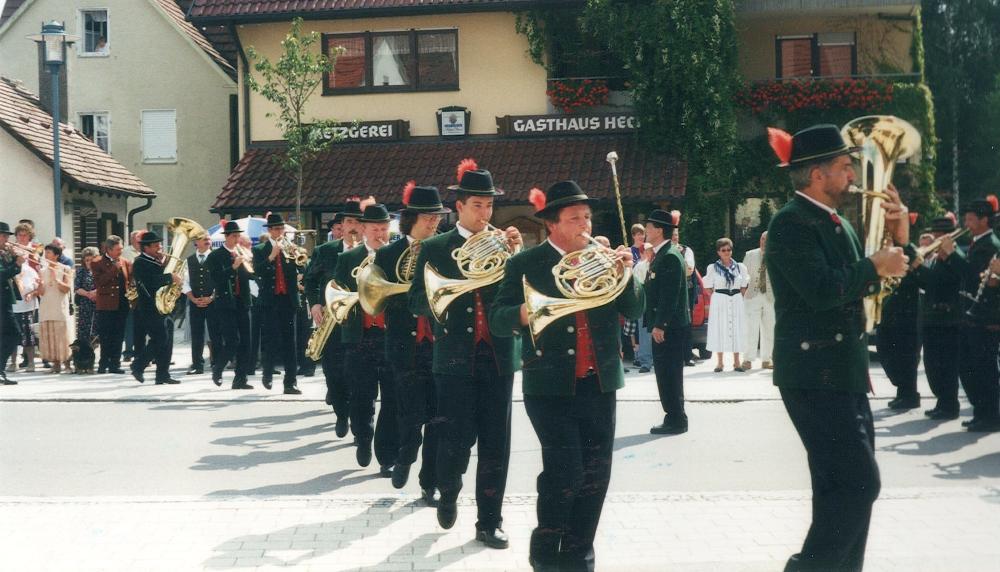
[
  {"x": 537, "y": 125},
  {"x": 392, "y": 130}
]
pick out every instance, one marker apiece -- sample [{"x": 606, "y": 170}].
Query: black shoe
[
  {"x": 307, "y": 371},
  {"x": 985, "y": 426},
  {"x": 267, "y": 382},
  {"x": 643, "y": 369},
  {"x": 905, "y": 403},
  {"x": 116, "y": 370},
  {"x": 293, "y": 391},
  {"x": 428, "y": 496},
  {"x": 364, "y": 454},
  {"x": 669, "y": 428},
  {"x": 689, "y": 363},
  {"x": 193, "y": 370},
  {"x": 138, "y": 376},
  {"x": 385, "y": 471},
  {"x": 341, "y": 428},
  {"x": 447, "y": 513},
  {"x": 969, "y": 422},
  {"x": 217, "y": 378},
  {"x": 168, "y": 381},
  {"x": 495, "y": 538},
  {"x": 242, "y": 385},
  {"x": 942, "y": 414},
  {"x": 102, "y": 369},
  {"x": 400, "y": 474},
  {"x": 7, "y": 381}
]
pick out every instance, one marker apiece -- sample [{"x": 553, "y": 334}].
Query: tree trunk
[{"x": 298, "y": 199}]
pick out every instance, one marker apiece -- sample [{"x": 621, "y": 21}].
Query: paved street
[{"x": 101, "y": 473}]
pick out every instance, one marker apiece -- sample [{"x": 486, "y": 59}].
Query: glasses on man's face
[{"x": 725, "y": 250}]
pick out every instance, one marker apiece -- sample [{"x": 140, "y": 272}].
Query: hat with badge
[
  {"x": 474, "y": 181},
  {"x": 812, "y": 144},
  {"x": 986, "y": 207},
  {"x": 274, "y": 220},
  {"x": 230, "y": 227},
  {"x": 557, "y": 196},
  {"x": 375, "y": 213},
  {"x": 661, "y": 217},
  {"x": 943, "y": 224},
  {"x": 422, "y": 199},
  {"x": 5, "y": 228},
  {"x": 149, "y": 237}
]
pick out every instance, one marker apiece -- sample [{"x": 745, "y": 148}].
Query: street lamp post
[{"x": 54, "y": 41}]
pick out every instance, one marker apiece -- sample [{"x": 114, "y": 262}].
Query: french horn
[{"x": 375, "y": 289}]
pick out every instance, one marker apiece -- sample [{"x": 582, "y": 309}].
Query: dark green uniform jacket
[
  {"x": 322, "y": 265},
  {"x": 454, "y": 351},
  {"x": 265, "y": 271},
  {"x": 666, "y": 291},
  {"x": 400, "y": 322},
  {"x": 149, "y": 278},
  {"x": 819, "y": 276},
  {"x": 968, "y": 268},
  {"x": 225, "y": 277},
  {"x": 350, "y": 329},
  {"x": 942, "y": 304},
  {"x": 549, "y": 368},
  {"x": 9, "y": 268}
]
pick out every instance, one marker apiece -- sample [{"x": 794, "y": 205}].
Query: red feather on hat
[
  {"x": 468, "y": 164},
  {"x": 353, "y": 199},
  {"x": 994, "y": 203},
  {"x": 408, "y": 191},
  {"x": 537, "y": 198},
  {"x": 781, "y": 143},
  {"x": 675, "y": 217},
  {"x": 365, "y": 203},
  {"x": 914, "y": 217},
  {"x": 951, "y": 215}
]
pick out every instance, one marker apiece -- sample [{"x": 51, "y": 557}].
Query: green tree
[{"x": 289, "y": 83}]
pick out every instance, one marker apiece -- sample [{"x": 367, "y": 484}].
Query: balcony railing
[
  {"x": 588, "y": 94},
  {"x": 893, "y": 77}
]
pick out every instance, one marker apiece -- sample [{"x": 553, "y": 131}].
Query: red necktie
[
  {"x": 279, "y": 275},
  {"x": 424, "y": 331},
  {"x": 236, "y": 290},
  {"x": 374, "y": 321},
  {"x": 482, "y": 329},
  {"x": 586, "y": 362}
]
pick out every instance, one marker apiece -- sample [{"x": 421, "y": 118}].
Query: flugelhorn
[
  {"x": 293, "y": 252},
  {"x": 247, "y": 257},
  {"x": 185, "y": 230},
  {"x": 481, "y": 260},
  {"x": 883, "y": 140}
]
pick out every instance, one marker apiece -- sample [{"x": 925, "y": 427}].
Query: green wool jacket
[
  {"x": 265, "y": 271},
  {"x": 969, "y": 268},
  {"x": 9, "y": 268},
  {"x": 454, "y": 340},
  {"x": 319, "y": 272},
  {"x": 666, "y": 291},
  {"x": 819, "y": 277},
  {"x": 942, "y": 303},
  {"x": 149, "y": 278},
  {"x": 351, "y": 328},
  {"x": 549, "y": 367},
  {"x": 400, "y": 322},
  {"x": 225, "y": 278}
]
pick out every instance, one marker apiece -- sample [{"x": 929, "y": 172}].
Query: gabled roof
[
  {"x": 174, "y": 12},
  {"x": 8, "y": 10},
  {"x": 203, "y": 11},
  {"x": 81, "y": 160},
  {"x": 381, "y": 169}
]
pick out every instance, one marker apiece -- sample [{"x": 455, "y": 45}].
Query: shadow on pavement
[
  {"x": 196, "y": 405},
  {"x": 318, "y": 485},
  {"x": 987, "y": 467},
  {"x": 417, "y": 554},
  {"x": 914, "y": 427},
  {"x": 635, "y": 440},
  {"x": 937, "y": 445},
  {"x": 269, "y": 421},
  {"x": 257, "y": 458},
  {"x": 263, "y": 440}
]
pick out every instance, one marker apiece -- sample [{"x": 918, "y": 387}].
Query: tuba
[
  {"x": 375, "y": 289},
  {"x": 883, "y": 140},
  {"x": 586, "y": 278},
  {"x": 481, "y": 261},
  {"x": 185, "y": 230}
]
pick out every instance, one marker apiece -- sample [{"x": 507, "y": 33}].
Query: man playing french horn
[
  {"x": 473, "y": 371},
  {"x": 409, "y": 339},
  {"x": 571, "y": 370},
  {"x": 364, "y": 365}
]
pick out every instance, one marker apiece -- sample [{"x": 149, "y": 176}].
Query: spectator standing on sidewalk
[
  {"x": 642, "y": 339},
  {"x": 726, "y": 280},
  {"x": 758, "y": 302},
  {"x": 54, "y": 289},
  {"x": 693, "y": 281}
]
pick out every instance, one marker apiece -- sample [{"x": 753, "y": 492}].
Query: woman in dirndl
[{"x": 726, "y": 280}]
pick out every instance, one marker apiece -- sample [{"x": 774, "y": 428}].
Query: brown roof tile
[
  {"x": 175, "y": 13},
  {"x": 204, "y": 10},
  {"x": 81, "y": 160},
  {"x": 381, "y": 169}
]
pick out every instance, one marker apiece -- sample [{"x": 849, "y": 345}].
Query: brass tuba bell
[
  {"x": 883, "y": 140},
  {"x": 185, "y": 230},
  {"x": 375, "y": 289}
]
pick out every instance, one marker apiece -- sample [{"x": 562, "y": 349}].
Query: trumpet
[
  {"x": 31, "y": 254},
  {"x": 247, "y": 258},
  {"x": 293, "y": 252}
]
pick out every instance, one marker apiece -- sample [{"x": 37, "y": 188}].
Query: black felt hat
[
  {"x": 475, "y": 181},
  {"x": 817, "y": 143},
  {"x": 982, "y": 207},
  {"x": 423, "y": 199},
  {"x": 375, "y": 213},
  {"x": 352, "y": 208},
  {"x": 274, "y": 220},
  {"x": 662, "y": 217},
  {"x": 559, "y": 195},
  {"x": 149, "y": 237},
  {"x": 942, "y": 224},
  {"x": 231, "y": 227},
  {"x": 5, "y": 229}
]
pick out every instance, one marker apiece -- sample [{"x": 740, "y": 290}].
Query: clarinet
[{"x": 977, "y": 300}]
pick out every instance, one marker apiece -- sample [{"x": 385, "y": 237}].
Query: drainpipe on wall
[{"x": 137, "y": 210}]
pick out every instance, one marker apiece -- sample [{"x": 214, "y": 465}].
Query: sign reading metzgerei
[
  {"x": 540, "y": 125},
  {"x": 392, "y": 130}
]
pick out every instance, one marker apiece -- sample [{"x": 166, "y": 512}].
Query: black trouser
[
  {"x": 232, "y": 341},
  {"x": 416, "y": 406},
  {"x": 111, "y": 331},
  {"x": 470, "y": 408},
  {"x": 338, "y": 387},
  {"x": 577, "y": 435},
  {"x": 8, "y": 335},
  {"x": 941, "y": 348},
  {"x": 979, "y": 371},
  {"x": 899, "y": 353},
  {"x": 370, "y": 375},
  {"x": 303, "y": 329},
  {"x": 837, "y": 430},
  {"x": 155, "y": 325},
  {"x": 278, "y": 337},
  {"x": 668, "y": 364},
  {"x": 255, "y": 326},
  {"x": 200, "y": 319}
]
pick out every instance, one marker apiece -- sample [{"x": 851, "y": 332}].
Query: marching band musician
[
  {"x": 320, "y": 271},
  {"x": 570, "y": 378},
  {"x": 980, "y": 334},
  {"x": 473, "y": 371},
  {"x": 10, "y": 266},
  {"x": 409, "y": 341},
  {"x": 149, "y": 278},
  {"x": 365, "y": 365},
  {"x": 277, "y": 278},
  {"x": 112, "y": 279},
  {"x": 231, "y": 283},
  {"x": 199, "y": 289}
]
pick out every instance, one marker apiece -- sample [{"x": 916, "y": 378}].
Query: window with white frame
[
  {"x": 97, "y": 127},
  {"x": 159, "y": 136},
  {"x": 95, "y": 32}
]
